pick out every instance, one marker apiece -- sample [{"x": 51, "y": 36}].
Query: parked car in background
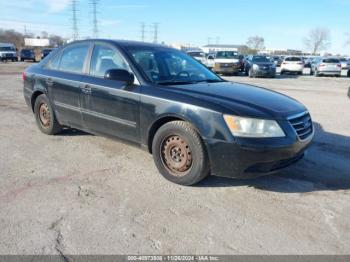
[
  {"x": 227, "y": 62},
  {"x": 210, "y": 61},
  {"x": 292, "y": 64},
  {"x": 192, "y": 121},
  {"x": 307, "y": 62},
  {"x": 277, "y": 60},
  {"x": 345, "y": 63},
  {"x": 27, "y": 54},
  {"x": 242, "y": 62},
  {"x": 8, "y": 52},
  {"x": 46, "y": 52},
  {"x": 327, "y": 66},
  {"x": 258, "y": 65},
  {"x": 198, "y": 55}
]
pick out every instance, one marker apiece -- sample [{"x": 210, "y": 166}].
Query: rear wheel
[
  {"x": 179, "y": 153},
  {"x": 45, "y": 117},
  {"x": 316, "y": 74}
]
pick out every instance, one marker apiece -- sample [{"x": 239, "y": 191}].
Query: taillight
[
  {"x": 284, "y": 63},
  {"x": 322, "y": 65},
  {"x": 300, "y": 63},
  {"x": 338, "y": 65},
  {"x": 24, "y": 76}
]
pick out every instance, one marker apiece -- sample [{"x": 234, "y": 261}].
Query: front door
[{"x": 110, "y": 107}]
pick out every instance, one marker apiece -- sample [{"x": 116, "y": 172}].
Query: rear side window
[
  {"x": 53, "y": 63},
  {"x": 73, "y": 58},
  {"x": 105, "y": 58},
  {"x": 293, "y": 59},
  {"x": 331, "y": 61}
]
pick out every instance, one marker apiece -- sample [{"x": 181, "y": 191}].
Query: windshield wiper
[{"x": 209, "y": 81}]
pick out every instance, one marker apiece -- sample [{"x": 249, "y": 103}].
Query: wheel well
[
  {"x": 160, "y": 122},
  {"x": 34, "y": 96}
]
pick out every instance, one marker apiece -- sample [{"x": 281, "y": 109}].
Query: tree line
[{"x": 17, "y": 38}]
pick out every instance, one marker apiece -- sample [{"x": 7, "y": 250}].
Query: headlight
[
  {"x": 251, "y": 127},
  {"x": 255, "y": 67}
]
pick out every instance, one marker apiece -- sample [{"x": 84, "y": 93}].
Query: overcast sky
[{"x": 283, "y": 24}]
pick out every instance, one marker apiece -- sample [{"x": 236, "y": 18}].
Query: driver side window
[{"x": 105, "y": 58}]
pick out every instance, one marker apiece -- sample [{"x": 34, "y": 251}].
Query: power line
[
  {"x": 75, "y": 35},
  {"x": 95, "y": 31},
  {"x": 143, "y": 25}
]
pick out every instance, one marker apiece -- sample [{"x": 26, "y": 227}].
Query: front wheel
[
  {"x": 179, "y": 153},
  {"x": 45, "y": 117}
]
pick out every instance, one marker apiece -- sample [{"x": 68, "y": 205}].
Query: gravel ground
[{"x": 75, "y": 193}]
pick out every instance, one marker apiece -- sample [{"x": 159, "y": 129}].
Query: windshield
[
  {"x": 7, "y": 48},
  {"x": 168, "y": 66},
  {"x": 227, "y": 55},
  {"x": 259, "y": 59},
  {"x": 331, "y": 61},
  {"x": 293, "y": 59}
]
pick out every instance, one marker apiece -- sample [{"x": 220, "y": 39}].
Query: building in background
[{"x": 214, "y": 48}]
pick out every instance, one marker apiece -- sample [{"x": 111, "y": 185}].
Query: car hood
[
  {"x": 223, "y": 60},
  {"x": 243, "y": 100},
  {"x": 263, "y": 63}
]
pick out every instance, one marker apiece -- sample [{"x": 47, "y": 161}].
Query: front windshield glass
[
  {"x": 261, "y": 59},
  {"x": 227, "y": 55},
  {"x": 167, "y": 66},
  {"x": 196, "y": 54},
  {"x": 6, "y": 48}
]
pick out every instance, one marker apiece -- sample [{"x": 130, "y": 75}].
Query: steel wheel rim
[
  {"x": 176, "y": 155},
  {"x": 44, "y": 115}
]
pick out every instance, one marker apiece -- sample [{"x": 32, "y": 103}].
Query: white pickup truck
[
  {"x": 8, "y": 52},
  {"x": 227, "y": 62}
]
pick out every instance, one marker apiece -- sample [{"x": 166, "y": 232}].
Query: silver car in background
[
  {"x": 345, "y": 63},
  {"x": 326, "y": 66}
]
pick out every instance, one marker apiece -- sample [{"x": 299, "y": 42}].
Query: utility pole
[
  {"x": 143, "y": 25},
  {"x": 75, "y": 35},
  {"x": 94, "y": 4},
  {"x": 209, "y": 40},
  {"x": 155, "y": 32}
]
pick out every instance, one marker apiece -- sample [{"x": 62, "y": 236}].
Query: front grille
[{"x": 302, "y": 125}]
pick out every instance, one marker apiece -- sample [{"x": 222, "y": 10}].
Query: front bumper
[
  {"x": 271, "y": 72},
  {"x": 250, "y": 158},
  {"x": 229, "y": 69}
]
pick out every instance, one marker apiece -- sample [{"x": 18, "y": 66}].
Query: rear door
[
  {"x": 108, "y": 106},
  {"x": 64, "y": 82}
]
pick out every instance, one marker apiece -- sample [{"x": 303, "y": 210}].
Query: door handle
[
  {"x": 49, "y": 82},
  {"x": 86, "y": 89}
]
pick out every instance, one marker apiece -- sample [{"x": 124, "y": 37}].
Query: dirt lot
[{"x": 81, "y": 194}]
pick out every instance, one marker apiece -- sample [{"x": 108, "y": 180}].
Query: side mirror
[{"x": 120, "y": 75}]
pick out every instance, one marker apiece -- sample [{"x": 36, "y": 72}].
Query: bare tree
[
  {"x": 11, "y": 36},
  {"x": 56, "y": 40},
  {"x": 256, "y": 43},
  {"x": 317, "y": 40}
]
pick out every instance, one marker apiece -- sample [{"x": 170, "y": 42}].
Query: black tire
[
  {"x": 181, "y": 133},
  {"x": 316, "y": 74},
  {"x": 52, "y": 127},
  {"x": 282, "y": 72}
]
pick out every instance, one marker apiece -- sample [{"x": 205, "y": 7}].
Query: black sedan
[
  {"x": 192, "y": 121},
  {"x": 258, "y": 65}
]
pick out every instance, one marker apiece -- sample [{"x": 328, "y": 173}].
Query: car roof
[{"x": 122, "y": 43}]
